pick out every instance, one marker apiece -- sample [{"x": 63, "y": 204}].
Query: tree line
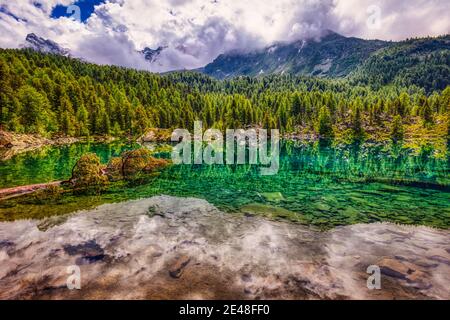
[{"x": 54, "y": 95}]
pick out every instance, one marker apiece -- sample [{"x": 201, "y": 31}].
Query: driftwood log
[{"x": 18, "y": 191}]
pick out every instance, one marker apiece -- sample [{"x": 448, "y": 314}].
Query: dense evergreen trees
[
  {"x": 50, "y": 95},
  {"x": 422, "y": 62}
]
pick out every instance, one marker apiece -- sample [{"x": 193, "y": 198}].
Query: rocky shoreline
[
  {"x": 185, "y": 248},
  {"x": 12, "y": 144},
  {"x": 15, "y": 143}
]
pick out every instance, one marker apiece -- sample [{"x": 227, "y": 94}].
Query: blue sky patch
[{"x": 86, "y": 9}]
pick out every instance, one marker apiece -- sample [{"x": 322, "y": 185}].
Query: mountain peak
[
  {"x": 152, "y": 55},
  {"x": 330, "y": 34},
  {"x": 40, "y": 44}
]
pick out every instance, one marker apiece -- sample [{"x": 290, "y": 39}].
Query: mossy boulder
[
  {"x": 114, "y": 169},
  {"x": 5, "y": 139},
  {"x": 88, "y": 174},
  {"x": 139, "y": 163}
]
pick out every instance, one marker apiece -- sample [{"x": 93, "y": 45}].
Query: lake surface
[{"x": 317, "y": 184}]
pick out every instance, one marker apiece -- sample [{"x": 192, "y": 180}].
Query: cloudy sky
[{"x": 197, "y": 31}]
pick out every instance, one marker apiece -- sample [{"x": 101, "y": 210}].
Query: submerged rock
[
  {"x": 396, "y": 269},
  {"x": 268, "y": 211},
  {"x": 89, "y": 252},
  {"x": 272, "y": 196},
  {"x": 177, "y": 267}
]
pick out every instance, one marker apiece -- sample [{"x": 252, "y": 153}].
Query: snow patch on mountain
[{"x": 32, "y": 41}]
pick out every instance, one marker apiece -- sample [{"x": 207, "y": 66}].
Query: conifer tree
[
  {"x": 357, "y": 126},
  {"x": 324, "y": 126},
  {"x": 397, "y": 132}
]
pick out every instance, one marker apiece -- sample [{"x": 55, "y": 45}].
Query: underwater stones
[
  {"x": 246, "y": 277},
  {"x": 418, "y": 280},
  {"x": 90, "y": 252},
  {"x": 322, "y": 206},
  {"x": 402, "y": 269},
  {"x": 300, "y": 197},
  {"x": 50, "y": 222},
  {"x": 439, "y": 255},
  {"x": 389, "y": 189},
  {"x": 177, "y": 267},
  {"x": 373, "y": 193},
  {"x": 257, "y": 208},
  {"x": 272, "y": 196},
  {"x": 321, "y": 221},
  {"x": 383, "y": 214},
  {"x": 180, "y": 209},
  {"x": 362, "y": 201},
  {"x": 402, "y": 219},
  {"x": 6, "y": 246},
  {"x": 348, "y": 215},
  {"x": 403, "y": 198},
  {"x": 152, "y": 211},
  {"x": 350, "y": 212},
  {"x": 426, "y": 264},
  {"x": 269, "y": 211},
  {"x": 396, "y": 269}
]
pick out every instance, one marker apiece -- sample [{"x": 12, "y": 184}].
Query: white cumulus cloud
[{"x": 197, "y": 31}]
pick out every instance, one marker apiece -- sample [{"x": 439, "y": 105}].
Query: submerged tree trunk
[{"x": 18, "y": 191}]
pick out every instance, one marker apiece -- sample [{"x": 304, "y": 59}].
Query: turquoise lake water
[{"x": 318, "y": 184}]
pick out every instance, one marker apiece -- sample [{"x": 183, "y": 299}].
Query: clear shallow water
[
  {"x": 52, "y": 163},
  {"x": 316, "y": 184}
]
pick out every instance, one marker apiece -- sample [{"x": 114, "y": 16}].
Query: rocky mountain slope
[
  {"x": 423, "y": 62},
  {"x": 333, "y": 56}
]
